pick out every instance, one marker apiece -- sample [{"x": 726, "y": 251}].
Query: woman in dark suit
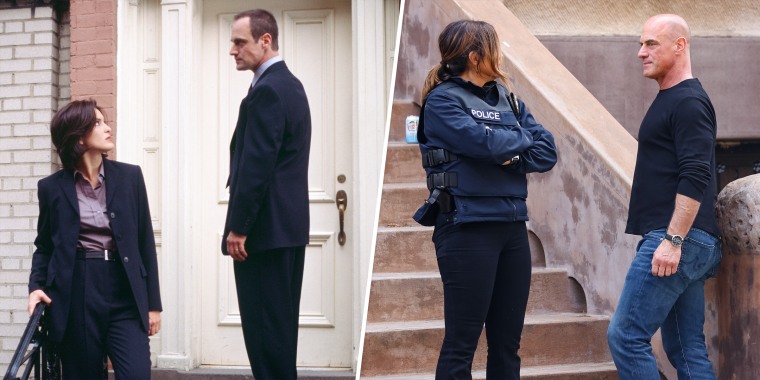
[{"x": 95, "y": 260}]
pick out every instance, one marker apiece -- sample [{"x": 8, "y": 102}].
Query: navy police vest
[{"x": 478, "y": 178}]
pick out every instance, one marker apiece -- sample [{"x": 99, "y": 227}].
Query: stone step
[
  {"x": 419, "y": 296},
  {"x": 403, "y": 163},
  {"x": 411, "y": 249},
  {"x": 242, "y": 373},
  {"x": 547, "y": 339},
  {"x": 581, "y": 371},
  {"x": 400, "y": 201},
  {"x": 405, "y": 249},
  {"x": 399, "y": 112}
]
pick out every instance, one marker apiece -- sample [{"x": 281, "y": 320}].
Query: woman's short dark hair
[{"x": 72, "y": 123}]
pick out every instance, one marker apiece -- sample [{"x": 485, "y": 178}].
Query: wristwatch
[{"x": 676, "y": 240}]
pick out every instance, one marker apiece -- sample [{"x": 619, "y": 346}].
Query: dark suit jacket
[
  {"x": 58, "y": 232},
  {"x": 269, "y": 163}
]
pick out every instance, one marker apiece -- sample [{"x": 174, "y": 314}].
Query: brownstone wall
[{"x": 609, "y": 68}]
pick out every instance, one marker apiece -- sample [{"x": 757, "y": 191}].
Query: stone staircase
[{"x": 405, "y": 315}]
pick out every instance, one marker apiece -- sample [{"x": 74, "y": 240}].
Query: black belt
[
  {"x": 437, "y": 157},
  {"x": 442, "y": 180},
  {"x": 107, "y": 255}
]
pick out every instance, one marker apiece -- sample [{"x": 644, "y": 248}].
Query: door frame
[{"x": 178, "y": 346}]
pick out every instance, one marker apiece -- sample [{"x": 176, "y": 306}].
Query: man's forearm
[{"x": 683, "y": 215}]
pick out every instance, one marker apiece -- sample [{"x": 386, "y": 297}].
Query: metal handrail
[{"x": 34, "y": 351}]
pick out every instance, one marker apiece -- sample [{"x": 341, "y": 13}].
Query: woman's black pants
[
  {"x": 485, "y": 268},
  {"x": 103, "y": 320}
]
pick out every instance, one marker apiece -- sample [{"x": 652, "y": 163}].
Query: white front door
[{"x": 315, "y": 42}]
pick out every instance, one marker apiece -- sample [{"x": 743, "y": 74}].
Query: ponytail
[
  {"x": 442, "y": 72},
  {"x": 432, "y": 80}
]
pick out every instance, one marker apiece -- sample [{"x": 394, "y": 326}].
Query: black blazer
[
  {"x": 269, "y": 164},
  {"x": 58, "y": 232}
]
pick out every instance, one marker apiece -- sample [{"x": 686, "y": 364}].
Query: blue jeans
[{"x": 675, "y": 303}]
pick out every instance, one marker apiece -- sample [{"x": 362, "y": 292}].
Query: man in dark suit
[{"x": 267, "y": 226}]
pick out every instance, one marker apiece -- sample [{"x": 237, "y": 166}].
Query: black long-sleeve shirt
[{"x": 676, "y": 156}]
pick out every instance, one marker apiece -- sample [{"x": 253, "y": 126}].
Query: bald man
[{"x": 671, "y": 207}]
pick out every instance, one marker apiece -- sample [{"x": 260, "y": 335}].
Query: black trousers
[
  {"x": 103, "y": 320},
  {"x": 486, "y": 269},
  {"x": 269, "y": 295}
]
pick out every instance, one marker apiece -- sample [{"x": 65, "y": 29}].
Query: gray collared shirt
[
  {"x": 94, "y": 225},
  {"x": 264, "y": 66}
]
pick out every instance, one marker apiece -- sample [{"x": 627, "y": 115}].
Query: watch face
[{"x": 676, "y": 240}]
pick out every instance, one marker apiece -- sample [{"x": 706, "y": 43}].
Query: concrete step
[
  {"x": 547, "y": 339},
  {"x": 405, "y": 249},
  {"x": 411, "y": 249},
  {"x": 399, "y": 112},
  {"x": 400, "y": 201},
  {"x": 405, "y": 297},
  {"x": 242, "y": 373},
  {"x": 581, "y": 371},
  {"x": 403, "y": 163},
  {"x": 419, "y": 296}
]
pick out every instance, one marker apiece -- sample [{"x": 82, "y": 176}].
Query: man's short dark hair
[
  {"x": 261, "y": 22},
  {"x": 72, "y": 123}
]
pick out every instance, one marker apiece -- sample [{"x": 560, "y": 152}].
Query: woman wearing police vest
[{"x": 477, "y": 145}]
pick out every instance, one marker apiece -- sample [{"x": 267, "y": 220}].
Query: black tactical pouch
[{"x": 428, "y": 212}]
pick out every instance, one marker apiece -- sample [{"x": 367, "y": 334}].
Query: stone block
[
  {"x": 35, "y": 77},
  {"x": 11, "y": 183},
  {"x": 738, "y": 213},
  {"x": 15, "y": 66},
  {"x": 46, "y": 25},
  {"x": 16, "y": 39},
  {"x": 43, "y": 117},
  {"x": 41, "y": 64},
  {"x": 42, "y": 89},
  {"x": 15, "y": 196},
  {"x": 43, "y": 12},
  {"x": 38, "y": 103},
  {"x": 7, "y": 144},
  {"x": 14, "y": 27},
  {"x": 15, "y": 170},
  {"x": 10, "y": 264},
  {"x": 32, "y": 129},
  {"x": 14, "y": 117},
  {"x": 43, "y": 38},
  {"x": 24, "y": 210},
  {"x": 35, "y": 51},
  {"x": 26, "y": 237},
  {"x": 16, "y": 14},
  {"x": 11, "y": 105}
]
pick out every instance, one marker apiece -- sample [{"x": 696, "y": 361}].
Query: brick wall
[
  {"x": 34, "y": 54},
  {"x": 93, "y": 54}
]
